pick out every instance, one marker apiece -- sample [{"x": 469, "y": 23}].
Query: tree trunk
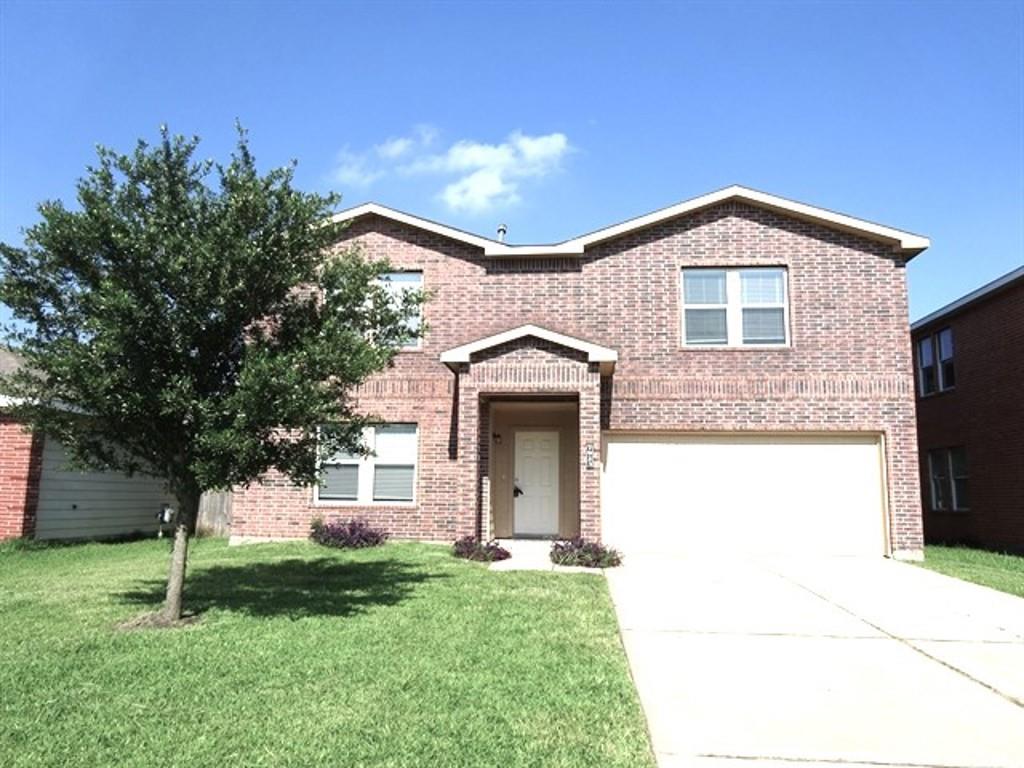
[{"x": 184, "y": 524}]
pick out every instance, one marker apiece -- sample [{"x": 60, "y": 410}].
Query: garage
[
  {"x": 743, "y": 493},
  {"x": 82, "y": 505}
]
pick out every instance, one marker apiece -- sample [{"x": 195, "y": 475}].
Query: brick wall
[
  {"x": 848, "y": 367},
  {"x": 984, "y": 415},
  {"x": 21, "y": 456}
]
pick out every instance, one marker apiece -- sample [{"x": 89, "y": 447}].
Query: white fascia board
[
  {"x": 595, "y": 352},
  {"x": 969, "y": 298},
  {"x": 413, "y": 221},
  {"x": 906, "y": 242}
]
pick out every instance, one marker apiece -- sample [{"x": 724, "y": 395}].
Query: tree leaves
[{"x": 195, "y": 321}]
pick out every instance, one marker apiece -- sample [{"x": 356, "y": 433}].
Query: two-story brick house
[
  {"x": 970, "y": 365},
  {"x": 729, "y": 374}
]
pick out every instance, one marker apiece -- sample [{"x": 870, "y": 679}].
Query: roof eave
[
  {"x": 460, "y": 355},
  {"x": 970, "y": 298},
  {"x": 906, "y": 244}
]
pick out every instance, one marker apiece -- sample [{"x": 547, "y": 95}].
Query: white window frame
[
  {"x": 944, "y": 456},
  {"x": 939, "y": 359},
  {"x": 367, "y": 468},
  {"x": 418, "y": 342},
  {"x": 734, "y": 307},
  {"x": 934, "y": 343}
]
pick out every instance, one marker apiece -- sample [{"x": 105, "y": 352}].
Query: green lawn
[
  {"x": 398, "y": 656},
  {"x": 1002, "y": 572}
]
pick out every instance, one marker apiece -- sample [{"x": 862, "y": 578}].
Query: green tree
[{"x": 195, "y": 322}]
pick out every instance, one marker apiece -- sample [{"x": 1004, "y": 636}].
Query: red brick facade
[
  {"x": 847, "y": 368},
  {"x": 21, "y": 456},
  {"x": 983, "y": 414}
]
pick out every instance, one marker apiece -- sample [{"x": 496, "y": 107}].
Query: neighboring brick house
[
  {"x": 21, "y": 454},
  {"x": 729, "y": 374},
  {"x": 970, "y": 369},
  {"x": 40, "y": 497}
]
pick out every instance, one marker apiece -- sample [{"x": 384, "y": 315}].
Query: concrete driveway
[{"x": 822, "y": 662}]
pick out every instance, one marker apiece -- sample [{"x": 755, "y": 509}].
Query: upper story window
[
  {"x": 387, "y": 475},
  {"x": 947, "y": 468},
  {"x": 935, "y": 369},
  {"x": 399, "y": 283},
  {"x": 735, "y": 307}
]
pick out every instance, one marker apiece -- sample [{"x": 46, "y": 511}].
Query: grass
[
  {"x": 1002, "y": 572},
  {"x": 396, "y": 656}
]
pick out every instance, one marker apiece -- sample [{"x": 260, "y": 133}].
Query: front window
[
  {"x": 947, "y": 374},
  {"x": 926, "y": 375},
  {"x": 947, "y": 469},
  {"x": 386, "y": 475},
  {"x": 397, "y": 284},
  {"x": 935, "y": 369},
  {"x": 735, "y": 307}
]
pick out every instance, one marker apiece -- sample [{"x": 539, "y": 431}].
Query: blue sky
[{"x": 555, "y": 118}]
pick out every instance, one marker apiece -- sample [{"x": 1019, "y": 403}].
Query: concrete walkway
[
  {"x": 830, "y": 662},
  {"x": 534, "y": 555}
]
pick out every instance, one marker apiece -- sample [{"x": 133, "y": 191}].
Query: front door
[{"x": 535, "y": 490}]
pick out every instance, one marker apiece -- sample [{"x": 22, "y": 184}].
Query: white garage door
[
  {"x": 78, "y": 505},
  {"x": 743, "y": 494}
]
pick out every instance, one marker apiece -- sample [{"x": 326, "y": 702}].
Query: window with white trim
[
  {"x": 947, "y": 469},
  {"x": 386, "y": 475},
  {"x": 397, "y": 284},
  {"x": 935, "y": 369},
  {"x": 735, "y": 307}
]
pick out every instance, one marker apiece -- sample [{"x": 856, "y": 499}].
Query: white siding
[
  {"x": 78, "y": 505},
  {"x": 744, "y": 494}
]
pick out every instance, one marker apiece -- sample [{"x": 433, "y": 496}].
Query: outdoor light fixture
[{"x": 163, "y": 517}]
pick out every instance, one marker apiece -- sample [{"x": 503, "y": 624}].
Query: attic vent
[{"x": 502, "y": 231}]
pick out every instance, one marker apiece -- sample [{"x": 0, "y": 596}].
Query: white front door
[{"x": 535, "y": 492}]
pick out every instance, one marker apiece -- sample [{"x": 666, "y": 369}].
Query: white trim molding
[
  {"x": 902, "y": 242},
  {"x": 970, "y": 298},
  {"x": 595, "y": 353}
]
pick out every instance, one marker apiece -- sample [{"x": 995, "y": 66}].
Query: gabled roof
[
  {"x": 9, "y": 363},
  {"x": 595, "y": 352},
  {"x": 904, "y": 242},
  {"x": 985, "y": 290}
]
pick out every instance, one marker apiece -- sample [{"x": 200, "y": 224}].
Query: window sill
[
  {"x": 937, "y": 393},
  {"x": 364, "y": 504},
  {"x": 741, "y": 347}
]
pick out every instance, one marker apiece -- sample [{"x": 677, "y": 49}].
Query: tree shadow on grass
[{"x": 292, "y": 588}]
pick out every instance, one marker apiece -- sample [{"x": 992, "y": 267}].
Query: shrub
[
  {"x": 347, "y": 534},
  {"x": 589, "y": 554},
  {"x": 471, "y": 548}
]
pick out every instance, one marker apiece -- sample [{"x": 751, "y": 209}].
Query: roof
[
  {"x": 902, "y": 242},
  {"x": 9, "y": 361},
  {"x": 595, "y": 352},
  {"x": 986, "y": 290}
]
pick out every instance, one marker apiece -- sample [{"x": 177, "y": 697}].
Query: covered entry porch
[
  {"x": 528, "y": 431},
  {"x": 534, "y": 467}
]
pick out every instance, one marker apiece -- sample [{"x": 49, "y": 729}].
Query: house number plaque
[{"x": 588, "y": 456}]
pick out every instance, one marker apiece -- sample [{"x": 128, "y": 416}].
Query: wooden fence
[{"x": 215, "y": 513}]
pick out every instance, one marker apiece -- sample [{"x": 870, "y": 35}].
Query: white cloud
[
  {"x": 479, "y": 191},
  {"x": 394, "y": 148},
  {"x": 485, "y": 175},
  {"x": 353, "y": 170},
  {"x": 489, "y": 174}
]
